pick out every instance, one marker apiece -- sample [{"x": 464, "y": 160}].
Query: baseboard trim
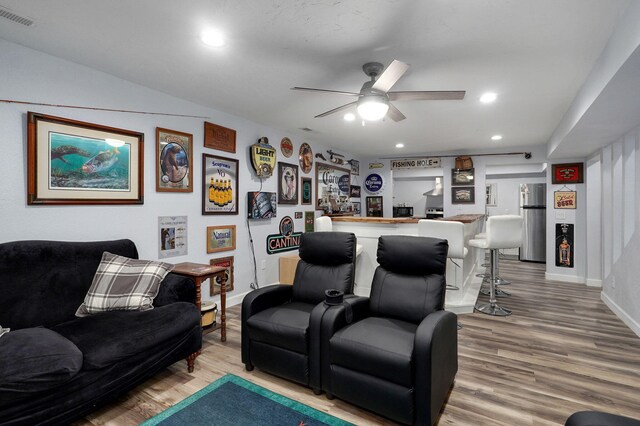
[
  {"x": 593, "y": 282},
  {"x": 620, "y": 313},
  {"x": 565, "y": 278}
]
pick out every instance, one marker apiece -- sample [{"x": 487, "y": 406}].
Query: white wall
[
  {"x": 33, "y": 76},
  {"x": 621, "y": 287}
]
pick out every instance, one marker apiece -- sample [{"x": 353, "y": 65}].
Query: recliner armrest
[
  {"x": 175, "y": 288},
  {"x": 436, "y": 360},
  {"x": 257, "y": 301}
]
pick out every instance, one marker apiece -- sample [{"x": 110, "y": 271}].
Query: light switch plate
[{"x": 561, "y": 215}]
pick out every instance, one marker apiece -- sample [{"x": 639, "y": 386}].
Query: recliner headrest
[
  {"x": 328, "y": 248},
  {"x": 404, "y": 254}
]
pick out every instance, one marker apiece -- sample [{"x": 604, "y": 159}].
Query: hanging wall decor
[
  {"x": 287, "y": 183},
  {"x": 305, "y": 158},
  {"x": 564, "y": 245},
  {"x": 461, "y": 177},
  {"x": 219, "y": 185},
  {"x": 332, "y": 187},
  {"x": 355, "y": 167},
  {"x": 355, "y": 191},
  {"x": 463, "y": 195},
  {"x": 567, "y": 173},
  {"x": 286, "y": 240},
  {"x": 73, "y": 162},
  {"x": 221, "y": 238},
  {"x": 218, "y": 137},
  {"x": 306, "y": 190},
  {"x": 215, "y": 283},
  {"x": 174, "y": 161},
  {"x": 263, "y": 158},
  {"x": 286, "y": 146},
  {"x": 374, "y": 207},
  {"x": 172, "y": 231},
  {"x": 564, "y": 199},
  {"x": 309, "y": 221}
]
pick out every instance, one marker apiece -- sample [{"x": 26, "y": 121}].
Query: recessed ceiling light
[
  {"x": 212, "y": 38},
  {"x": 349, "y": 116},
  {"x": 399, "y": 145},
  {"x": 496, "y": 137},
  {"x": 488, "y": 97}
]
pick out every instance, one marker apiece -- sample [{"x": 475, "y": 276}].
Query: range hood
[{"x": 437, "y": 191}]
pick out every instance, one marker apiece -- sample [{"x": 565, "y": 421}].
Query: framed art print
[
  {"x": 305, "y": 158},
  {"x": 219, "y": 185},
  {"x": 567, "y": 173},
  {"x": 460, "y": 177},
  {"x": 464, "y": 195},
  {"x": 174, "y": 161},
  {"x": 221, "y": 238},
  {"x": 354, "y": 191},
  {"x": 287, "y": 183},
  {"x": 374, "y": 206},
  {"x": 306, "y": 190},
  {"x": 73, "y": 162},
  {"x": 215, "y": 283}
]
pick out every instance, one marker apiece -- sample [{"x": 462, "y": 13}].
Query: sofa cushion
[
  {"x": 109, "y": 337},
  {"x": 380, "y": 347},
  {"x": 36, "y": 359},
  {"x": 125, "y": 284},
  {"x": 285, "y": 326}
]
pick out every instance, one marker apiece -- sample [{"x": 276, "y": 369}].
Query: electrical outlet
[
  {"x": 561, "y": 215},
  {"x": 263, "y": 265}
]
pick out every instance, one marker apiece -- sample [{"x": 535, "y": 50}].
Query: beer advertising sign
[
  {"x": 263, "y": 158},
  {"x": 286, "y": 240},
  {"x": 564, "y": 199}
]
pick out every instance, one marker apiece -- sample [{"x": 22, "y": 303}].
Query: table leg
[{"x": 198, "y": 281}]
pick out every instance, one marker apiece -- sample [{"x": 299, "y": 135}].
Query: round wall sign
[
  {"x": 306, "y": 157},
  {"x": 373, "y": 183},
  {"x": 286, "y": 146},
  {"x": 286, "y": 226}
]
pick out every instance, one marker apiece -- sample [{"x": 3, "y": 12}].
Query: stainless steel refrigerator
[{"x": 533, "y": 209}]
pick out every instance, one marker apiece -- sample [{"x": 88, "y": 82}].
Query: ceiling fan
[{"x": 373, "y": 100}]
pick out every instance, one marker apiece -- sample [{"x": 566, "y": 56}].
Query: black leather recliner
[
  {"x": 399, "y": 356},
  {"x": 281, "y": 323}
]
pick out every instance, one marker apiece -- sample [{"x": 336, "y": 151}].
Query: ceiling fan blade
[
  {"x": 335, "y": 92},
  {"x": 426, "y": 95},
  {"x": 390, "y": 76},
  {"x": 340, "y": 108},
  {"x": 395, "y": 114}
]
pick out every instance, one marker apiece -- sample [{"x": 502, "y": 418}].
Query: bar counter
[{"x": 460, "y": 274}]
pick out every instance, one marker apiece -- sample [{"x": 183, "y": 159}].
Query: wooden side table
[{"x": 200, "y": 272}]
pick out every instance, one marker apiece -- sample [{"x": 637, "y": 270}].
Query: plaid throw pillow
[{"x": 123, "y": 284}]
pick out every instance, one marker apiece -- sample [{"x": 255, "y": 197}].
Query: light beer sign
[
  {"x": 263, "y": 158},
  {"x": 415, "y": 163}
]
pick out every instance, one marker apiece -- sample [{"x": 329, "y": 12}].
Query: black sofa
[
  {"x": 55, "y": 367},
  {"x": 281, "y": 323},
  {"x": 399, "y": 356}
]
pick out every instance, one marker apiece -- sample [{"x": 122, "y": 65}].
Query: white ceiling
[{"x": 535, "y": 54}]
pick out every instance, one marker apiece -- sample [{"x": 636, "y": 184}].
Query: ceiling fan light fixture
[{"x": 372, "y": 108}]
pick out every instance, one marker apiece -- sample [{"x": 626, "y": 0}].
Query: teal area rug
[{"x": 232, "y": 400}]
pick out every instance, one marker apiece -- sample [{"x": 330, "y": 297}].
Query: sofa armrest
[
  {"x": 333, "y": 319},
  {"x": 257, "y": 301},
  {"x": 436, "y": 361},
  {"x": 175, "y": 288}
]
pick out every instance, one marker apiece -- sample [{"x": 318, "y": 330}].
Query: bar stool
[
  {"x": 485, "y": 276},
  {"x": 324, "y": 224},
  {"x": 502, "y": 232},
  {"x": 453, "y": 232}
]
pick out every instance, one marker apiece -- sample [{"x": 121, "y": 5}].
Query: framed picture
[
  {"x": 356, "y": 207},
  {"x": 174, "y": 161},
  {"x": 287, "y": 183},
  {"x": 220, "y": 138},
  {"x": 73, "y": 162},
  {"x": 172, "y": 231},
  {"x": 464, "y": 195},
  {"x": 564, "y": 199},
  {"x": 460, "y": 177},
  {"x": 374, "y": 207},
  {"x": 567, "y": 173},
  {"x": 221, "y": 238},
  {"x": 225, "y": 262},
  {"x": 332, "y": 186},
  {"x": 306, "y": 190},
  {"x": 219, "y": 185},
  {"x": 355, "y": 167},
  {"x": 354, "y": 191},
  {"x": 298, "y": 215},
  {"x": 492, "y": 194},
  {"x": 309, "y": 221},
  {"x": 261, "y": 205},
  {"x": 305, "y": 158}
]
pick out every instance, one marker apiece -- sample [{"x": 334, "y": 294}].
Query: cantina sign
[
  {"x": 415, "y": 163},
  {"x": 286, "y": 240}
]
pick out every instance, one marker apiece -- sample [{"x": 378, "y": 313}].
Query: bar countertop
[{"x": 464, "y": 218}]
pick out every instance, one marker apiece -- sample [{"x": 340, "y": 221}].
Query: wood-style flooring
[{"x": 561, "y": 351}]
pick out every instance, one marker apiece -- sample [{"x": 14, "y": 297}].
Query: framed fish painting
[{"x": 73, "y": 162}]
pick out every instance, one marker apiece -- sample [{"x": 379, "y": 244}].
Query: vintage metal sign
[
  {"x": 564, "y": 245},
  {"x": 564, "y": 199},
  {"x": 286, "y": 240},
  {"x": 263, "y": 158},
  {"x": 415, "y": 163},
  {"x": 373, "y": 183}
]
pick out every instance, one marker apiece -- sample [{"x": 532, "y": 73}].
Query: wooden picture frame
[
  {"x": 305, "y": 158},
  {"x": 462, "y": 177},
  {"x": 306, "y": 191},
  {"x": 331, "y": 183},
  {"x": 219, "y": 137},
  {"x": 355, "y": 191},
  {"x": 174, "y": 161},
  {"x": 227, "y": 263},
  {"x": 567, "y": 173},
  {"x": 219, "y": 185},
  {"x": 221, "y": 238},
  {"x": 375, "y": 206},
  {"x": 287, "y": 183},
  {"x": 463, "y": 195},
  {"x": 74, "y": 162},
  {"x": 356, "y": 207}
]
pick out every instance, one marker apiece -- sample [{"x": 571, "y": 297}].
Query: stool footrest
[{"x": 492, "y": 309}]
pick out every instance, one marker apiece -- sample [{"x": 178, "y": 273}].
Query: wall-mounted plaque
[
  {"x": 263, "y": 158},
  {"x": 218, "y": 137}
]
